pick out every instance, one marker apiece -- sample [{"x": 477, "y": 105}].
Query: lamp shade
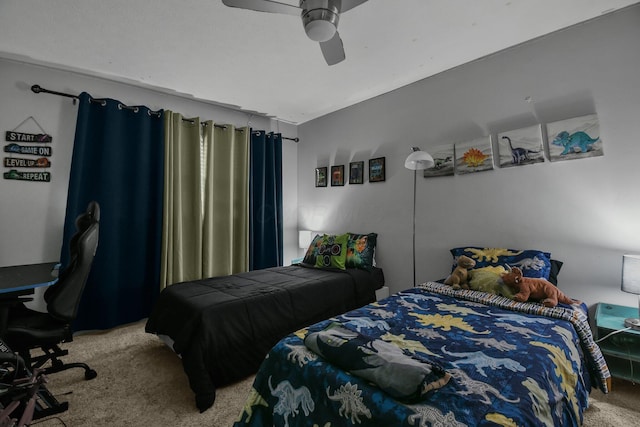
[
  {"x": 631, "y": 274},
  {"x": 418, "y": 160},
  {"x": 304, "y": 238}
]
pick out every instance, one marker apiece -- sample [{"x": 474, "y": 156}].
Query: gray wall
[
  {"x": 585, "y": 212},
  {"x": 32, "y": 213}
]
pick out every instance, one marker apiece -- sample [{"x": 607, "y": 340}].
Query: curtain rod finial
[{"x": 36, "y": 89}]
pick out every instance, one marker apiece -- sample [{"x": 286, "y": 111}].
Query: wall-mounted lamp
[
  {"x": 417, "y": 160},
  {"x": 304, "y": 239},
  {"x": 631, "y": 284}
]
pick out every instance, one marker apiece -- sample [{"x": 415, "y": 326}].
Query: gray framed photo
[
  {"x": 356, "y": 172},
  {"x": 337, "y": 176},
  {"x": 376, "y": 169},
  {"x": 321, "y": 177}
]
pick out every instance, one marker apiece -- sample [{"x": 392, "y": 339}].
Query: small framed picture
[
  {"x": 376, "y": 169},
  {"x": 337, "y": 175},
  {"x": 356, "y": 172},
  {"x": 321, "y": 177}
]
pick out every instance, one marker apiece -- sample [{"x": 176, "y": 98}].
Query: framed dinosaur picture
[
  {"x": 474, "y": 156},
  {"x": 520, "y": 147},
  {"x": 443, "y": 159},
  {"x": 574, "y": 138}
]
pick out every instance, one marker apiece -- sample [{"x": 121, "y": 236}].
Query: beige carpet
[{"x": 141, "y": 383}]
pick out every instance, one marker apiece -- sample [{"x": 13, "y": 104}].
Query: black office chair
[{"x": 29, "y": 329}]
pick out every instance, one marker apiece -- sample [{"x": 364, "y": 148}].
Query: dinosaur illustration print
[
  {"x": 300, "y": 354},
  {"x": 291, "y": 400},
  {"x": 494, "y": 343},
  {"x": 366, "y": 323},
  {"x": 525, "y": 332},
  {"x": 351, "y": 402},
  {"x": 518, "y": 154},
  {"x": 481, "y": 361},
  {"x": 446, "y": 322},
  {"x": 429, "y": 416},
  {"x": 382, "y": 313},
  {"x": 409, "y": 345},
  {"x": 254, "y": 399},
  {"x": 490, "y": 254},
  {"x": 409, "y": 305},
  {"x": 534, "y": 263},
  {"x": 478, "y": 388},
  {"x": 569, "y": 341},
  {"x": 456, "y": 309},
  {"x": 419, "y": 297},
  {"x": 427, "y": 333},
  {"x": 576, "y": 141},
  {"x": 564, "y": 367},
  {"x": 439, "y": 163},
  {"x": 540, "y": 400},
  {"x": 519, "y": 319}
]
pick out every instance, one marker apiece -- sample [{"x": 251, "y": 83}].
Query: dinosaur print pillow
[
  {"x": 360, "y": 250},
  {"x": 533, "y": 263}
]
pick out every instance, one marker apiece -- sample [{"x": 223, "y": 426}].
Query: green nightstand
[{"x": 621, "y": 350}]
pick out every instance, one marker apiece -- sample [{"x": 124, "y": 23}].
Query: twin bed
[
  {"x": 426, "y": 356},
  {"x": 223, "y": 327}
]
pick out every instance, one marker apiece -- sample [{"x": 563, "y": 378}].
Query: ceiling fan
[{"x": 319, "y": 18}]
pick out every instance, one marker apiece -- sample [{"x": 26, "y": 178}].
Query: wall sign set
[
  {"x": 570, "y": 139},
  {"x": 22, "y": 144},
  {"x": 356, "y": 173}
]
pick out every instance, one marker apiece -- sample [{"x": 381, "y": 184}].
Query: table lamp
[
  {"x": 631, "y": 284},
  {"x": 304, "y": 239}
]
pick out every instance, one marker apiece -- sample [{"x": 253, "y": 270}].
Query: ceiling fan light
[
  {"x": 320, "y": 24},
  {"x": 320, "y": 31}
]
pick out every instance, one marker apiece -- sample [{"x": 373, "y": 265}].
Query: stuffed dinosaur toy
[
  {"x": 460, "y": 275},
  {"x": 534, "y": 288}
]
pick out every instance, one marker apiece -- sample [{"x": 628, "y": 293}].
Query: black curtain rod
[{"x": 39, "y": 89}]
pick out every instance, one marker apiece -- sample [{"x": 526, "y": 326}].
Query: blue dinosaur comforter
[{"x": 511, "y": 364}]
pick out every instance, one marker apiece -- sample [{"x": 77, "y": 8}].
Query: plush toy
[
  {"x": 460, "y": 275},
  {"x": 535, "y": 288}
]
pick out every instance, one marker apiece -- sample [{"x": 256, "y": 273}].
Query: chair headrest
[{"x": 91, "y": 215}]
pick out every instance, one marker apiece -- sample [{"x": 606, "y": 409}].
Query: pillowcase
[
  {"x": 555, "y": 269},
  {"x": 533, "y": 263},
  {"x": 487, "y": 279},
  {"x": 312, "y": 252},
  {"x": 360, "y": 250},
  {"x": 332, "y": 252}
]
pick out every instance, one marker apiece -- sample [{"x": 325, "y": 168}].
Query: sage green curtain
[
  {"x": 182, "y": 202},
  {"x": 226, "y": 199},
  {"x": 206, "y": 200}
]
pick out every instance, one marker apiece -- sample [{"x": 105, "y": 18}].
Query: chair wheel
[{"x": 90, "y": 374}]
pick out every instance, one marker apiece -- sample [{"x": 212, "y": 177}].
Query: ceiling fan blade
[
  {"x": 350, "y": 4},
  {"x": 333, "y": 50},
  {"x": 264, "y": 6}
]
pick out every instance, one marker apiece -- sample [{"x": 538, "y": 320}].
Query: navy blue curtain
[
  {"x": 265, "y": 210},
  {"x": 118, "y": 161}
]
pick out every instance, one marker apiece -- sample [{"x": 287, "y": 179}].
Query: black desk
[
  {"x": 23, "y": 279},
  {"x": 20, "y": 280},
  {"x": 16, "y": 281}
]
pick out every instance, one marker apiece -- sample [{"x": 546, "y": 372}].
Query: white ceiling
[{"x": 263, "y": 62}]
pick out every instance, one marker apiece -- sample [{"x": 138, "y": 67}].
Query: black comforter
[{"x": 223, "y": 327}]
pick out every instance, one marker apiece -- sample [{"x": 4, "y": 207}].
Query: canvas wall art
[
  {"x": 520, "y": 147},
  {"x": 473, "y": 156},
  {"x": 443, "y": 159},
  {"x": 574, "y": 138}
]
